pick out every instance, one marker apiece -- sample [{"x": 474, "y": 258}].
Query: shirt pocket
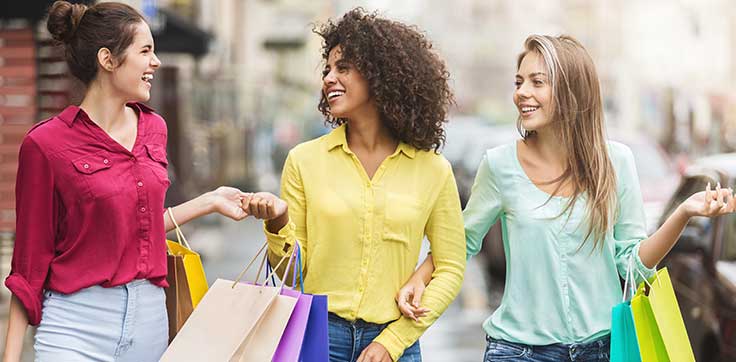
[
  {"x": 402, "y": 217},
  {"x": 97, "y": 174},
  {"x": 157, "y": 154}
]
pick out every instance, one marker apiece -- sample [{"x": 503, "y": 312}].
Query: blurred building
[
  {"x": 240, "y": 79},
  {"x": 666, "y": 67}
]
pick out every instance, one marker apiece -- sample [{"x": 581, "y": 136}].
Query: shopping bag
[
  {"x": 306, "y": 335},
  {"x": 262, "y": 343},
  {"x": 232, "y": 321},
  {"x": 316, "y": 346},
  {"x": 659, "y": 326},
  {"x": 186, "y": 279},
  {"x": 178, "y": 299},
  {"x": 624, "y": 345},
  {"x": 291, "y": 341}
]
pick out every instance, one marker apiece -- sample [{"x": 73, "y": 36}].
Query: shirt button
[
  {"x": 132, "y": 158},
  {"x": 140, "y": 184},
  {"x": 105, "y": 161},
  {"x": 86, "y": 165},
  {"x": 143, "y": 209}
]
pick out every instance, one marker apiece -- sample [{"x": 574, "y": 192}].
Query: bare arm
[
  {"x": 17, "y": 325},
  {"x": 705, "y": 203},
  {"x": 424, "y": 272},
  {"x": 225, "y": 200}
]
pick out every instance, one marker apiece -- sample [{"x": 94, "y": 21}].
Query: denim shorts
[
  {"x": 348, "y": 339},
  {"x": 595, "y": 351},
  {"x": 127, "y": 323}
]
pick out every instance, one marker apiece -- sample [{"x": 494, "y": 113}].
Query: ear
[{"x": 105, "y": 60}]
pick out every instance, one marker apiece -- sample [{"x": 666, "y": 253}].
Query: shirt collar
[
  {"x": 338, "y": 138},
  {"x": 71, "y": 113}
]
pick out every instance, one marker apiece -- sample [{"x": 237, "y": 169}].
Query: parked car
[{"x": 702, "y": 265}]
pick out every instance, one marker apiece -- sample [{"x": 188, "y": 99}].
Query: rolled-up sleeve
[
  {"x": 36, "y": 214},
  {"x": 630, "y": 227}
]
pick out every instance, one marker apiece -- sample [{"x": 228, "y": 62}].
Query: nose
[
  {"x": 155, "y": 61},
  {"x": 523, "y": 91},
  {"x": 329, "y": 79}
]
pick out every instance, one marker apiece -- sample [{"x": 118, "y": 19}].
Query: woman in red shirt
[{"x": 89, "y": 261}]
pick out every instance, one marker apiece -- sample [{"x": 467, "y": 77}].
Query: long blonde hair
[{"x": 578, "y": 110}]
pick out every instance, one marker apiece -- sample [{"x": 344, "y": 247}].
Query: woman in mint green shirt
[{"x": 571, "y": 212}]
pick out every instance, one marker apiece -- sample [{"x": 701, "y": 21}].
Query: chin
[
  {"x": 337, "y": 114},
  {"x": 533, "y": 125},
  {"x": 144, "y": 97}
]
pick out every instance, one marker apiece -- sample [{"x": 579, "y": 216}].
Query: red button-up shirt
[{"x": 89, "y": 212}]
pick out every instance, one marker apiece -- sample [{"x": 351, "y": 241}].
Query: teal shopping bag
[{"x": 624, "y": 344}]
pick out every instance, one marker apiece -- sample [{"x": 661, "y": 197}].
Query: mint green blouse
[{"x": 554, "y": 292}]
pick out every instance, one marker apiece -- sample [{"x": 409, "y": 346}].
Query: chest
[
  {"x": 125, "y": 135},
  {"x": 546, "y": 176}
]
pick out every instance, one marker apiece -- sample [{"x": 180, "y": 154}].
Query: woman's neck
[
  {"x": 367, "y": 132},
  {"x": 547, "y": 146},
  {"x": 105, "y": 110}
]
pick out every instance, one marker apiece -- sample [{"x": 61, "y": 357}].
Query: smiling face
[
  {"x": 345, "y": 89},
  {"x": 533, "y": 95},
  {"x": 132, "y": 78}
]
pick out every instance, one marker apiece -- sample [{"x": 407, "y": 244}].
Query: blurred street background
[{"x": 240, "y": 83}]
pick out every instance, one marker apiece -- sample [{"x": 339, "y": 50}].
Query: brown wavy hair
[
  {"x": 578, "y": 108},
  {"x": 406, "y": 78}
]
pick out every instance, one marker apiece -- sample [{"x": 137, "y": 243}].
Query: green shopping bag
[
  {"x": 659, "y": 326},
  {"x": 624, "y": 345}
]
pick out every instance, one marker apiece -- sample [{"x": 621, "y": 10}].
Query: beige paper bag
[
  {"x": 234, "y": 322},
  {"x": 261, "y": 343},
  {"x": 221, "y": 322}
]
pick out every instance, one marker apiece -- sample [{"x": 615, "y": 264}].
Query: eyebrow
[
  {"x": 149, "y": 46},
  {"x": 531, "y": 75}
]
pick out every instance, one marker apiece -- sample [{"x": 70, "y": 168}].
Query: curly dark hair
[{"x": 406, "y": 78}]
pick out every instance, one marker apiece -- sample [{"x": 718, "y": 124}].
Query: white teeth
[
  {"x": 529, "y": 109},
  {"x": 147, "y": 77},
  {"x": 335, "y": 94}
]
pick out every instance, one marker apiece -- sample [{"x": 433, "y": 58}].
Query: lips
[
  {"x": 528, "y": 110},
  {"x": 334, "y": 94}
]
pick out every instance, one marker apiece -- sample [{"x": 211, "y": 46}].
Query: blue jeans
[
  {"x": 127, "y": 323},
  {"x": 348, "y": 339},
  {"x": 596, "y": 351}
]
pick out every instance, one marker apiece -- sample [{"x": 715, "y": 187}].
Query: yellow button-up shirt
[{"x": 361, "y": 237}]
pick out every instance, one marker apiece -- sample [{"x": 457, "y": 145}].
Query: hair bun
[{"x": 64, "y": 18}]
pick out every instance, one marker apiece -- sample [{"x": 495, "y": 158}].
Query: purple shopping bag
[
  {"x": 305, "y": 337},
  {"x": 293, "y": 337},
  {"x": 306, "y": 333}
]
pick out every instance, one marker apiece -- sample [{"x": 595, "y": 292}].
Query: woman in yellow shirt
[{"x": 361, "y": 198}]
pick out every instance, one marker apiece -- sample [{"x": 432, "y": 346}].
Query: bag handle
[
  {"x": 298, "y": 266},
  {"x": 656, "y": 277},
  {"x": 179, "y": 235},
  {"x": 260, "y": 251},
  {"x": 296, "y": 270},
  {"x": 630, "y": 281}
]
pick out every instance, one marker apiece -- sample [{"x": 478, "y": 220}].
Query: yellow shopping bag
[
  {"x": 659, "y": 326},
  {"x": 186, "y": 279},
  {"x": 194, "y": 271}
]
